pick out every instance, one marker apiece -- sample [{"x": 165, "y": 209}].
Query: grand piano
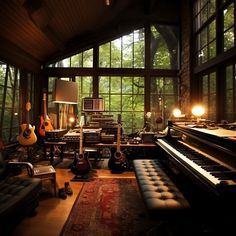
[{"x": 202, "y": 160}]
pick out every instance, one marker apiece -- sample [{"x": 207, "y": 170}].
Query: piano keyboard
[{"x": 210, "y": 170}]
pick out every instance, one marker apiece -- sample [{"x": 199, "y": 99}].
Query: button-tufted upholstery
[
  {"x": 18, "y": 197},
  {"x": 162, "y": 198}
]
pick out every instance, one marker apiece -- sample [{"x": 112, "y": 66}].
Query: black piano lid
[{"x": 219, "y": 138}]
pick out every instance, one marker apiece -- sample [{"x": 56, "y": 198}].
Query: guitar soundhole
[
  {"x": 118, "y": 155},
  {"x": 45, "y": 123},
  {"x": 27, "y": 133}
]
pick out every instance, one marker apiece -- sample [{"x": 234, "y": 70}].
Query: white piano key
[{"x": 196, "y": 167}]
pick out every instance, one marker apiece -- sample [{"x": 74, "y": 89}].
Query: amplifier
[
  {"x": 72, "y": 135},
  {"x": 147, "y": 137},
  {"x": 107, "y": 138},
  {"x": 55, "y": 134},
  {"x": 92, "y": 135}
]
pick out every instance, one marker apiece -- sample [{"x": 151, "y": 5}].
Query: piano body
[{"x": 202, "y": 160}]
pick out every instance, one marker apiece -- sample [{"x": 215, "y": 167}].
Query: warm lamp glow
[
  {"x": 198, "y": 111},
  {"x": 72, "y": 119},
  {"x": 176, "y": 112},
  {"x": 148, "y": 115}
]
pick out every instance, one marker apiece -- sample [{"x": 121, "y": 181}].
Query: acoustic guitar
[
  {"x": 118, "y": 161},
  {"x": 27, "y": 135},
  {"x": 81, "y": 164},
  {"x": 45, "y": 122}
]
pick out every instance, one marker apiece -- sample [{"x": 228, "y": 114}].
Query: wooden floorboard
[{"x": 53, "y": 211}]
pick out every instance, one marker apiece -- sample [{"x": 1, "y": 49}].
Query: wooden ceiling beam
[{"x": 41, "y": 18}]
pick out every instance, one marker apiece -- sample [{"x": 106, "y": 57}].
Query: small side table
[{"x": 46, "y": 173}]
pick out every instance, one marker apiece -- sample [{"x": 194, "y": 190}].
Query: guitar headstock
[
  {"x": 81, "y": 123},
  {"x": 44, "y": 96},
  {"x": 28, "y": 106}
]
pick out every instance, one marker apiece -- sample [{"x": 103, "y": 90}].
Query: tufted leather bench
[
  {"x": 19, "y": 196},
  {"x": 162, "y": 198}
]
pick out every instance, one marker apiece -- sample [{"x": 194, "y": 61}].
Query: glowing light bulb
[
  {"x": 198, "y": 110},
  {"x": 176, "y": 112},
  {"x": 71, "y": 119}
]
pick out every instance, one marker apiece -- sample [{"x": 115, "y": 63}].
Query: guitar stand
[{"x": 79, "y": 178}]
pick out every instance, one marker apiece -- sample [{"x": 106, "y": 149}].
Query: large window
[
  {"x": 228, "y": 22},
  {"x": 124, "y": 52},
  {"x": 9, "y": 102},
  {"x": 214, "y": 35},
  {"x": 209, "y": 95},
  {"x": 126, "y": 90},
  {"x": 205, "y": 30},
  {"x": 230, "y": 95},
  {"x": 125, "y": 96}
]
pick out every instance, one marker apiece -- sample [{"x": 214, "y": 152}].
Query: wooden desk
[
  {"x": 131, "y": 145},
  {"x": 64, "y": 144}
]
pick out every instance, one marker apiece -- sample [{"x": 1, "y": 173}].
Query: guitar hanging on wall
[
  {"x": 81, "y": 165},
  {"x": 45, "y": 122},
  {"x": 27, "y": 135},
  {"x": 118, "y": 161}
]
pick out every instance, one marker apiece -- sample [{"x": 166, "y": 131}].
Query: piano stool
[{"x": 163, "y": 200}]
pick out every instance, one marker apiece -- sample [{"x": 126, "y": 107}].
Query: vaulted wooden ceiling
[{"x": 33, "y": 32}]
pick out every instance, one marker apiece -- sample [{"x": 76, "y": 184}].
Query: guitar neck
[
  {"x": 118, "y": 138},
  {"x": 81, "y": 141},
  {"x": 27, "y": 119},
  {"x": 44, "y": 107}
]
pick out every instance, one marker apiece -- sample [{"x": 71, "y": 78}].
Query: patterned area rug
[{"x": 108, "y": 207}]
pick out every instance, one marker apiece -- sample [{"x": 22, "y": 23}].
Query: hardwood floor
[{"x": 52, "y": 211}]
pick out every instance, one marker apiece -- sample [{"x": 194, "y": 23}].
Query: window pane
[
  {"x": 104, "y": 55},
  {"x": 88, "y": 58},
  {"x": 229, "y": 77},
  {"x": 127, "y": 102},
  {"x": 104, "y": 84},
  {"x": 138, "y": 85},
  {"x": 127, "y": 87},
  {"x": 116, "y": 53},
  {"x": 229, "y": 39},
  {"x": 127, "y": 51},
  {"x": 164, "y": 47},
  {"x": 115, "y": 85},
  {"x": 76, "y": 60},
  {"x": 116, "y": 102}
]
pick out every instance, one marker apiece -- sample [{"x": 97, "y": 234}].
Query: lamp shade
[{"x": 65, "y": 92}]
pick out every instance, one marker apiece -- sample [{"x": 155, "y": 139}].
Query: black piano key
[
  {"x": 225, "y": 175},
  {"x": 212, "y": 168}
]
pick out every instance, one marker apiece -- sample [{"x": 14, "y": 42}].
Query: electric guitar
[
  {"x": 45, "y": 122},
  {"x": 27, "y": 135},
  {"x": 81, "y": 164},
  {"x": 118, "y": 161}
]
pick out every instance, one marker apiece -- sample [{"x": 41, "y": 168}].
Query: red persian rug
[{"x": 108, "y": 207}]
